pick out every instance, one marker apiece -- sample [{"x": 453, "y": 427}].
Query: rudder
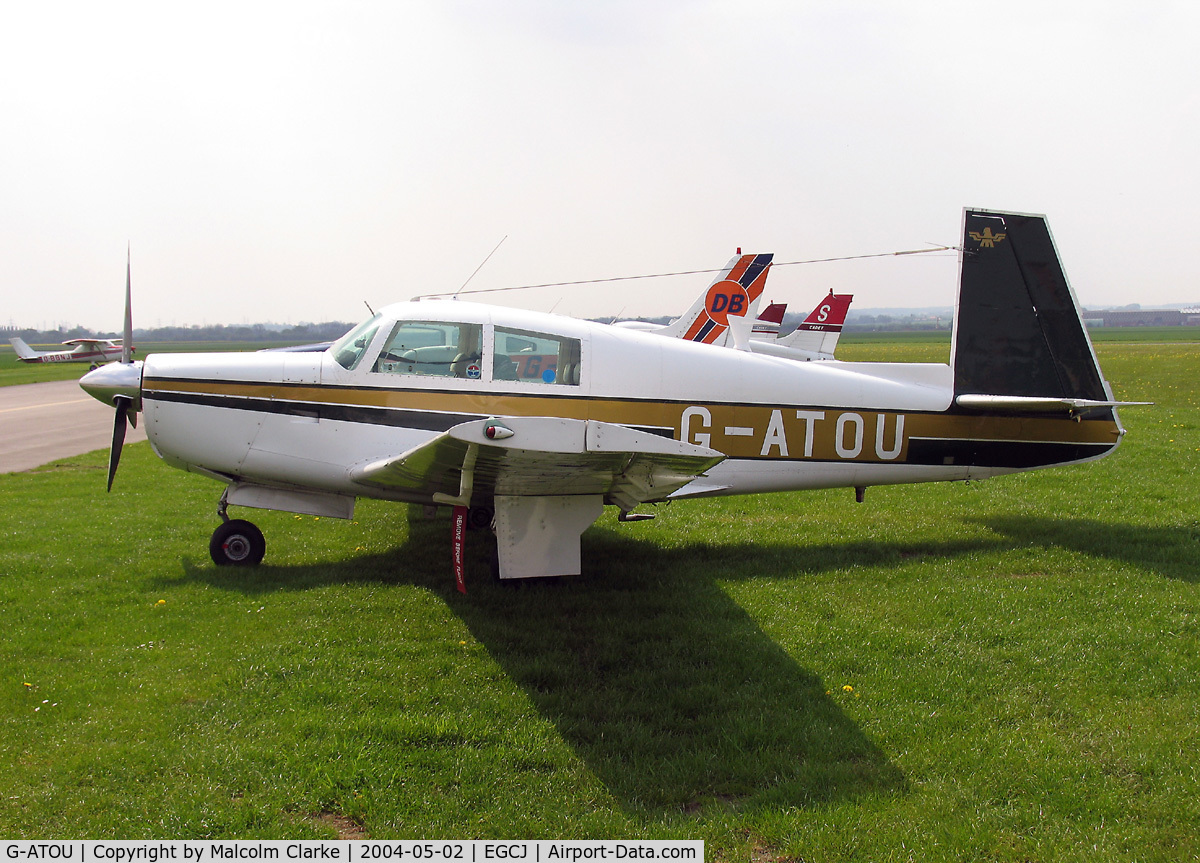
[
  {"x": 23, "y": 350},
  {"x": 1017, "y": 327}
]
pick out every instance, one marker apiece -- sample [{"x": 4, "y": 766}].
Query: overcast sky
[{"x": 289, "y": 161}]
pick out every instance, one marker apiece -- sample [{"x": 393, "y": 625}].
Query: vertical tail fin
[
  {"x": 1017, "y": 327},
  {"x": 735, "y": 292},
  {"x": 820, "y": 331},
  {"x": 23, "y": 350},
  {"x": 766, "y": 325}
]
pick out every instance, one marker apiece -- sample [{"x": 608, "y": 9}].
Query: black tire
[{"x": 237, "y": 543}]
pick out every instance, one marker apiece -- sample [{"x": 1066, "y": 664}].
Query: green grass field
[{"x": 1007, "y": 670}]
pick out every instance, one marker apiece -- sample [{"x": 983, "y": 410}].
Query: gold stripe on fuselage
[{"x": 738, "y": 430}]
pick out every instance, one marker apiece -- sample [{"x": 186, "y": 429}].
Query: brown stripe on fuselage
[{"x": 748, "y": 431}]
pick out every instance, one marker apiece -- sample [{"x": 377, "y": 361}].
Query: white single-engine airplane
[
  {"x": 544, "y": 420},
  {"x": 94, "y": 351}
]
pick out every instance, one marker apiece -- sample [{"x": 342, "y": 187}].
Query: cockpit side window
[
  {"x": 348, "y": 350},
  {"x": 523, "y": 355},
  {"x": 434, "y": 348}
]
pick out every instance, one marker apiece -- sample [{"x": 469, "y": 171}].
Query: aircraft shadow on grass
[
  {"x": 668, "y": 690},
  {"x": 1171, "y": 551}
]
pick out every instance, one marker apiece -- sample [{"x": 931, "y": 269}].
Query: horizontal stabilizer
[{"x": 1035, "y": 404}]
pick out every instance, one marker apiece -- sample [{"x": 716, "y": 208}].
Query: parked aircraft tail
[
  {"x": 734, "y": 293},
  {"x": 1019, "y": 340},
  {"x": 820, "y": 331},
  {"x": 766, "y": 325},
  {"x": 23, "y": 350}
]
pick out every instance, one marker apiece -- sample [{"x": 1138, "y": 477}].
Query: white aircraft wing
[{"x": 539, "y": 457}]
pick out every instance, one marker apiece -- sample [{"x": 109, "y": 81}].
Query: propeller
[
  {"x": 127, "y": 341},
  {"x": 119, "y": 384},
  {"x": 118, "y": 439}
]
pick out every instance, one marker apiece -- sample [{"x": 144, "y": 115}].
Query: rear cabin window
[
  {"x": 433, "y": 348},
  {"x": 522, "y": 355}
]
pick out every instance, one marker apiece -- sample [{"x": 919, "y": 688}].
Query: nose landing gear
[{"x": 237, "y": 543}]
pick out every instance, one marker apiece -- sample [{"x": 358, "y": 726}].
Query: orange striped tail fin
[{"x": 734, "y": 293}]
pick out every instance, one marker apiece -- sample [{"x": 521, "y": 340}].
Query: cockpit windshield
[{"x": 348, "y": 350}]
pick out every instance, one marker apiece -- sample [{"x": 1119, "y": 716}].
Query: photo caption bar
[{"x": 366, "y": 851}]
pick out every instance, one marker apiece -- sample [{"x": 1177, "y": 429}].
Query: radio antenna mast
[{"x": 480, "y": 267}]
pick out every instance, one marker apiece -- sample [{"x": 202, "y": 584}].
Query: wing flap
[{"x": 541, "y": 456}]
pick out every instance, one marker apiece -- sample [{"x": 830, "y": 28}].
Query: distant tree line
[
  {"x": 299, "y": 334},
  {"x": 895, "y": 323}
]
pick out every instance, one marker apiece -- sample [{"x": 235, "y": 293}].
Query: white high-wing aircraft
[
  {"x": 94, "y": 351},
  {"x": 544, "y": 420}
]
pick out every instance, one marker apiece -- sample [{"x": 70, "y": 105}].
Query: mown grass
[
  {"x": 1004, "y": 670},
  {"x": 1144, "y": 334}
]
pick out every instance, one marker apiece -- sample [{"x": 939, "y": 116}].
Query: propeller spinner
[{"x": 119, "y": 384}]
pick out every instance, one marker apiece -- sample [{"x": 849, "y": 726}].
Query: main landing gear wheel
[{"x": 237, "y": 543}]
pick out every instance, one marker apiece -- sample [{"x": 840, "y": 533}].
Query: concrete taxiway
[{"x": 40, "y": 423}]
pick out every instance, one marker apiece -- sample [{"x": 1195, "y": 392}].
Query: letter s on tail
[{"x": 820, "y": 331}]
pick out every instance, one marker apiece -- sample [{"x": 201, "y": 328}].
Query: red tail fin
[
  {"x": 829, "y": 315},
  {"x": 817, "y": 336},
  {"x": 769, "y": 322}
]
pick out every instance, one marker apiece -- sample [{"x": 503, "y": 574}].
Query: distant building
[{"x": 1144, "y": 317}]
